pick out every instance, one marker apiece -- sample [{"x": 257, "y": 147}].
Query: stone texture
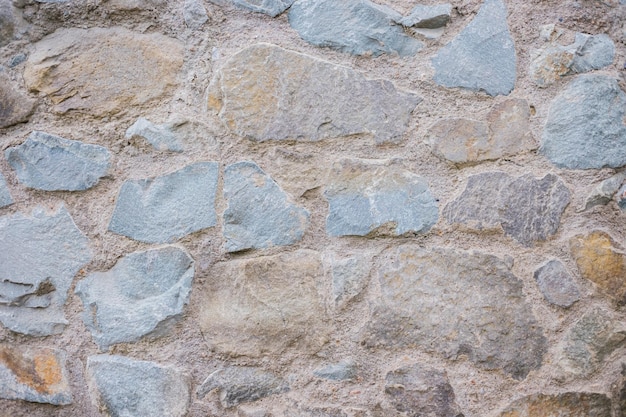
[
  {"x": 269, "y": 7},
  {"x": 194, "y": 14},
  {"x": 141, "y": 295},
  {"x": 367, "y": 196},
  {"x": 585, "y": 126},
  {"x": 7, "y": 22},
  {"x": 126, "y": 387},
  {"x": 527, "y": 209},
  {"x": 603, "y": 193},
  {"x": 346, "y": 370},
  {"x": 161, "y": 137},
  {"x": 358, "y": 27},
  {"x": 39, "y": 254},
  {"x": 15, "y": 107},
  {"x": 570, "y": 404},
  {"x": 264, "y": 305},
  {"x": 621, "y": 197},
  {"x": 5, "y": 195},
  {"x": 482, "y": 57},
  {"x": 428, "y": 17},
  {"x": 34, "y": 374},
  {"x": 268, "y": 93},
  {"x": 102, "y": 71},
  {"x": 52, "y": 163},
  {"x": 556, "y": 284},
  {"x": 349, "y": 278},
  {"x": 425, "y": 303},
  {"x": 258, "y": 213},
  {"x": 166, "y": 208}
]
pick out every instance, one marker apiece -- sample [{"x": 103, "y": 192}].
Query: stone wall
[{"x": 312, "y": 208}]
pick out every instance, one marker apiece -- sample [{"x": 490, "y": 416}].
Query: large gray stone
[
  {"x": 269, "y": 7},
  {"x": 567, "y": 404},
  {"x": 428, "y": 17},
  {"x": 425, "y": 303},
  {"x": 5, "y": 195},
  {"x": 268, "y": 93},
  {"x": 39, "y": 254},
  {"x": 358, "y": 27},
  {"x": 585, "y": 127},
  {"x": 556, "y": 284},
  {"x": 482, "y": 57},
  {"x": 259, "y": 214},
  {"x": 15, "y": 107},
  {"x": 52, "y": 163},
  {"x": 161, "y": 137},
  {"x": 527, "y": 209},
  {"x": 166, "y": 208},
  {"x": 141, "y": 295}
]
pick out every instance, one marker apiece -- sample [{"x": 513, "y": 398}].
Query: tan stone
[
  {"x": 509, "y": 127},
  {"x": 570, "y": 404},
  {"x": 460, "y": 140},
  {"x": 15, "y": 107}
]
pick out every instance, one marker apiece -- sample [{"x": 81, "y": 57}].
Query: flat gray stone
[
  {"x": 428, "y": 17},
  {"x": 342, "y": 371},
  {"x": 585, "y": 125},
  {"x": 482, "y": 57},
  {"x": 258, "y": 213},
  {"x": 52, "y": 163},
  {"x": 161, "y": 137},
  {"x": 358, "y": 27},
  {"x": 39, "y": 254},
  {"x": 166, "y": 208},
  {"x": 15, "y": 107},
  {"x": 350, "y": 277},
  {"x": 424, "y": 303},
  {"x": 527, "y": 209},
  {"x": 126, "y": 387},
  {"x": 603, "y": 193},
  {"x": 258, "y": 96},
  {"x": 5, "y": 195},
  {"x": 570, "y": 404},
  {"x": 194, "y": 14},
  {"x": 141, "y": 295},
  {"x": 269, "y": 7},
  {"x": 556, "y": 284},
  {"x": 367, "y": 196}
]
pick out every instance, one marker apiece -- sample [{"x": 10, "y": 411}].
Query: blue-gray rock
[
  {"x": 15, "y": 107},
  {"x": 585, "y": 126},
  {"x": 39, "y": 254},
  {"x": 52, "y": 163},
  {"x": 592, "y": 52},
  {"x": 367, "y": 196},
  {"x": 166, "y": 208},
  {"x": 350, "y": 277},
  {"x": 194, "y": 14},
  {"x": 127, "y": 387},
  {"x": 17, "y": 60},
  {"x": 603, "y": 193},
  {"x": 482, "y": 57},
  {"x": 161, "y": 137},
  {"x": 5, "y": 195},
  {"x": 258, "y": 213},
  {"x": 141, "y": 295},
  {"x": 269, "y": 7},
  {"x": 556, "y": 284},
  {"x": 429, "y": 17},
  {"x": 341, "y": 371}
]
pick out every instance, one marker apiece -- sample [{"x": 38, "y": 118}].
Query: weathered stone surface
[
  {"x": 39, "y": 254},
  {"x": 341, "y": 371},
  {"x": 52, "y": 163},
  {"x": 358, "y": 27},
  {"x": 621, "y": 197},
  {"x": 263, "y": 305},
  {"x": 268, "y": 93},
  {"x": 7, "y": 22},
  {"x": 103, "y": 71},
  {"x": 350, "y": 277},
  {"x": 619, "y": 394},
  {"x": 429, "y": 17},
  {"x": 585, "y": 127},
  {"x": 134, "y": 5},
  {"x": 527, "y": 209},
  {"x": 556, "y": 284},
  {"x": 241, "y": 384},
  {"x": 161, "y": 137},
  {"x": 269, "y": 7},
  {"x": 15, "y": 107},
  {"x": 570, "y": 404},
  {"x": 425, "y": 303},
  {"x": 509, "y": 127},
  {"x": 166, "y": 208},
  {"x": 5, "y": 195},
  {"x": 194, "y": 14},
  {"x": 35, "y": 375},
  {"x": 603, "y": 193},
  {"x": 421, "y": 391},
  {"x": 259, "y": 214},
  {"x": 126, "y": 387},
  {"x": 367, "y": 196},
  {"x": 141, "y": 295}
]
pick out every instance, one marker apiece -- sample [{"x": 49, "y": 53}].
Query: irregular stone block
[
  {"x": 39, "y": 254},
  {"x": 342, "y": 371},
  {"x": 358, "y": 27},
  {"x": 269, "y": 7},
  {"x": 166, "y": 208},
  {"x": 7, "y": 23},
  {"x": 482, "y": 57},
  {"x": 126, "y": 387},
  {"x": 160, "y": 137},
  {"x": 527, "y": 209},
  {"x": 5, "y": 195},
  {"x": 425, "y": 304},
  {"x": 258, "y": 214},
  {"x": 102, "y": 71},
  {"x": 264, "y": 305},
  {"x": 570, "y": 404},
  {"x": 52, "y": 163},
  {"x": 604, "y": 191},
  {"x": 429, "y": 17},
  {"x": 585, "y": 125},
  {"x": 268, "y": 93},
  {"x": 556, "y": 284},
  {"x": 350, "y": 277},
  {"x": 15, "y": 107},
  {"x": 139, "y": 296},
  {"x": 367, "y": 196},
  {"x": 34, "y": 374},
  {"x": 194, "y": 14}
]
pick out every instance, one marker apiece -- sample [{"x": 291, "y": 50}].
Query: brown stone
[
  {"x": 570, "y": 404},
  {"x": 15, "y": 107}
]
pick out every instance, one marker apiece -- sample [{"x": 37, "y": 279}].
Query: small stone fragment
[
  {"x": 194, "y": 14},
  {"x": 604, "y": 192},
  {"x": 166, "y": 208},
  {"x": 621, "y": 197},
  {"x": 269, "y": 7},
  {"x": 570, "y": 404},
  {"x": 160, "y": 137},
  {"x": 7, "y": 22},
  {"x": 52, "y": 163},
  {"x": 429, "y": 17},
  {"x": 15, "y": 107},
  {"x": 556, "y": 284},
  {"x": 350, "y": 277},
  {"x": 342, "y": 371},
  {"x": 5, "y": 195},
  {"x": 17, "y": 60}
]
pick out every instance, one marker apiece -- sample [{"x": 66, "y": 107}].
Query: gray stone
[
  {"x": 429, "y": 17},
  {"x": 527, "y": 209},
  {"x": 424, "y": 303},
  {"x": 350, "y": 277},
  {"x": 268, "y": 93},
  {"x": 367, "y": 196},
  {"x": 341, "y": 371},
  {"x": 603, "y": 193},
  {"x": 258, "y": 213},
  {"x": 621, "y": 197},
  {"x": 358, "y": 27},
  {"x": 592, "y": 52},
  {"x": 126, "y": 387},
  {"x": 269, "y": 7},
  {"x": 39, "y": 254},
  {"x": 556, "y": 284},
  {"x": 194, "y": 14},
  {"x": 7, "y": 22},
  {"x": 482, "y": 57},
  {"x": 570, "y": 404},
  {"x": 5, "y": 195},
  {"x": 141, "y": 295},
  {"x": 585, "y": 126},
  {"x": 241, "y": 384},
  {"x": 161, "y": 137},
  {"x": 17, "y": 60},
  {"x": 166, "y": 208},
  {"x": 15, "y": 107},
  {"x": 52, "y": 163}
]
